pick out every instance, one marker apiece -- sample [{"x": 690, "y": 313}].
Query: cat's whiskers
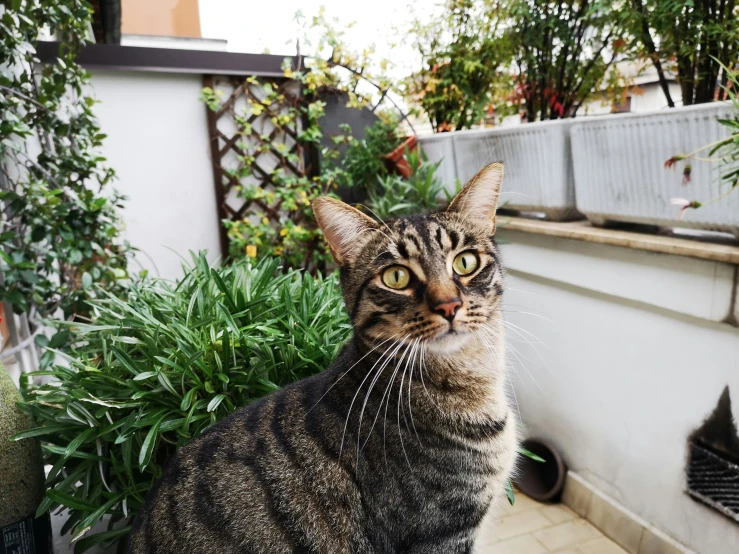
[
  {"x": 354, "y": 398},
  {"x": 521, "y": 330},
  {"x": 347, "y": 371},
  {"x": 492, "y": 348},
  {"x": 516, "y": 329},
  {"x": 387, "y": 403},
  {"x": 421, "y": 369},
  {"x": 400, "y": 431},
  {"x": 410, "y": 409},
  {"x": 377, "y": 375},
  {"x": 513, "y": 350},
  {"x": 393, "y": 233},
  {"x": 382, "y": 398},
  {"x": 505, "y": 310}
]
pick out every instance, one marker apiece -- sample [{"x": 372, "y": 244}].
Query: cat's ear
[
  {"x": 342, "y": 226},
  {"x": 478, "y": 199}
]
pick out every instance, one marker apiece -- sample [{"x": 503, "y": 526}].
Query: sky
[{"x": 259, "y": 25}]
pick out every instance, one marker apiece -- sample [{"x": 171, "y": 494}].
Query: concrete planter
[
  {"x": 620, "y": 176},
  {"x": 440, "y": 147},
  {"x": 538, "y": 165}
]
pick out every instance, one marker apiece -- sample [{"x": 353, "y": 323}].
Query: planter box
[
  {"x": 620, "y": 175},
  {"x": 538, "y": 165},
  {"x": 440, "y": 147}
]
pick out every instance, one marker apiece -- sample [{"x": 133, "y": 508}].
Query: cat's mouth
[{"x": 449, "y": 339}]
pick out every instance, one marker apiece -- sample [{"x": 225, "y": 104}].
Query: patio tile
[
  {"x": 597, "y": 546},
  {"x": 525, "y": 544},
  {"x": 565, "y": 534},
  {"x": 522, "y": 504},
  {"x": 519, "y": 524},
  {"x": 558, "y": 513}
]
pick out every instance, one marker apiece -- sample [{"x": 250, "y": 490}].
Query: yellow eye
[
  {"x": 396, "y": 277},
  {"x": 465, "y": 263}
]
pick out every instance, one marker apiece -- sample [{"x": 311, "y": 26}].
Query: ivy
[{"x": 59, "y": 226}]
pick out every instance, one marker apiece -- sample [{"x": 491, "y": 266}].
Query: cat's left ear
[
  {"x": 478, "y": 199},
  {"x": 342, "y": 226}
]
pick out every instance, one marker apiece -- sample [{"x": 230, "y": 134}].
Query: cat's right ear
[{"x": 342, "y": 226}]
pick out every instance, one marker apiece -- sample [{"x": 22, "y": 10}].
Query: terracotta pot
[
  {"x": 542, "y": 481},
  {"x": 395, "y": 160}
]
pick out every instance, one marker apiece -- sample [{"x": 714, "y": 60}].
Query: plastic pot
[{"x": 542, "y": 481}]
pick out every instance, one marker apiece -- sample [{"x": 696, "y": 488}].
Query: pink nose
[{"x": 448, "y": 308}]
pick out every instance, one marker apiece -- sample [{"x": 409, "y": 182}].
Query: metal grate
[{"x": 713, "y": 480}]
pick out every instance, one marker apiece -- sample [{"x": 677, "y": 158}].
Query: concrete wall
[
  {"x": 158, "y": 144},
  {"x": 620, "y": 355}
]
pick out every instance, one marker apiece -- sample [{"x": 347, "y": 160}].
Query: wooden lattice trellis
[{"x": 237, "y": 134}]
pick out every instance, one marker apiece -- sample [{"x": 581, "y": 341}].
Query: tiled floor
[{"x": 529, "y": 527}]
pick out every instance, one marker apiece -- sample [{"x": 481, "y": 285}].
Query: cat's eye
[
  {"x": 396, "y": 277},
  {"x": 465, "y": 263}
]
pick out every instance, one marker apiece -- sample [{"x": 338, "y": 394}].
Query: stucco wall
[
  {"x": 158, "y": 144},
  {"x": 620, "y": 355}
]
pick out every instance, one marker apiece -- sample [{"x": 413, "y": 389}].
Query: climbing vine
[{"x": 59, "y": 225}]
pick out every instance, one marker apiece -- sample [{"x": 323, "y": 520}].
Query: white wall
[
  {"x": 652, "y": 98},
  {"x": 634, "y": 357},
  {"x": 158, "y": 144}
]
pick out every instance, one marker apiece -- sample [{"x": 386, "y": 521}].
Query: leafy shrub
[
  {"x": 148, "y": 374},
  {"x": 464, "y": 60},
  {"x": 59, "y": 233},
  {"x": 395, "y": 196},
  {"x": 363, "y": 160}
]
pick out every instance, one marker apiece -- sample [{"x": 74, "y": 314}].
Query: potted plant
[{"x": 396, "y": 161}]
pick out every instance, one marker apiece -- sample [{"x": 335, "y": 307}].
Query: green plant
[
  {"x": 564, "y": 54},
  {"x": 696, "y": 40},
  {"x": 461, "y": 64},
  {"x": 363, "y": 161},
  {"x": 395, "y": 196},
  {"x": 148, "y": 374},
  {"x": 59, "y": 231},
  {"x": 283, "y": 122}
]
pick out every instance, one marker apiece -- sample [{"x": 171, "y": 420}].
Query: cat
[{"x": 403, "y": 444}]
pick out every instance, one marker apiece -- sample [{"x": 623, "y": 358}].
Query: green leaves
[
  {"x": 396, "y": 196},
  {"x": 150, "y": 373},
  {"x": 60, "y": 231}
]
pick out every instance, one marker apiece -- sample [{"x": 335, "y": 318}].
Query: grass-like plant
[{"x": 152, "y": 372}]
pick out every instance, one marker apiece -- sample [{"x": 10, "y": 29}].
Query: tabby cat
[{"x": 403, "y": 444}]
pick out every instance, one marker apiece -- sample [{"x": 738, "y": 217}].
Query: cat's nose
[{"x": 448, "y": 308}]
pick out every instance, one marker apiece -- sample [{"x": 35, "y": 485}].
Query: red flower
[{"x": 672, "y": 161}]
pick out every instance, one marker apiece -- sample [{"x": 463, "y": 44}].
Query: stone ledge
[
  {"x": 624, "y": 527},
  {"x": 582, "y": 230}
]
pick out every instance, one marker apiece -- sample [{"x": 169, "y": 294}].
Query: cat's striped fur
[{"x": 402, "y": 445}]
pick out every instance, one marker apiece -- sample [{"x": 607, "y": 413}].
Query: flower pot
[
  {"x": 395, "y": 159},
  {"x": 620, "y": 175},
  {"x": 538, "y": 165},
  {"x": 542, "y": 481},
  {"x": 21, "y": 479}
]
